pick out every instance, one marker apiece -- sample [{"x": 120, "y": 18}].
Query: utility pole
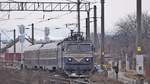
[
  {"x": 14, "y": 46},
  {"x": 95, "y": 26},
  {"x": 86, "y": 28},
  {"x": 32, "y": 34},
  {"x": 139, "y": 34},
  {"x": 139, "y": 54},
  {"x": 102, "y": 32},
  {"x": 78, "y": 9},
  {"x": 88, "y": 25},
  {"x": 14, "y": 40},
  {"x": 0, "y": 45}
]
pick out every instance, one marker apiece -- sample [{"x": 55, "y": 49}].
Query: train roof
[
  {"x": 33, "y": 47},
  {"x": 49, "y": 46},
  {"x": 75, "y": 41},
  {"x": 52, "y": 45}
]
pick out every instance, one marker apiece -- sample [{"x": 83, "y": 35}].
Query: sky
[{"x": 114, "y": 11}]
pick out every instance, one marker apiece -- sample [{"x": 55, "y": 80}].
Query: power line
[
  {"x": 70, "y": 1},
  {"x": 53, "y": 18},
  {"x": 8, "y": 37}
]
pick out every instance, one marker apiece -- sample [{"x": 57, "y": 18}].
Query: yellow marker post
[{"x": 138, "y": 49}]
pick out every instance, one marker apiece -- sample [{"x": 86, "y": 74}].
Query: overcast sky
[{"x": 114, "y": 11}]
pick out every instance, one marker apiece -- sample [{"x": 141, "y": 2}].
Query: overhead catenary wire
[
  {"x": 90, "y": 1},
  {"x": 43, "y": 16},
  {"x": 41, "y": 20},
  {"x": 38, "y": 1},
  {"x": 8, "y": 37},
  {"x": 8, "y": 14},
  {"x": 70, "y": 1},
  {"x": 52, "y": 18},
  {"x": 5, "y": 15}
]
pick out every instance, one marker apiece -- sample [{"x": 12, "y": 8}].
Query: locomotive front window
[{"x": 76, "y": 48}]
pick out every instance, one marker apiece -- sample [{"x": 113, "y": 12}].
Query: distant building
[
  {"x": 18, "y": 47},
  {"x": 7, "y": 56}
]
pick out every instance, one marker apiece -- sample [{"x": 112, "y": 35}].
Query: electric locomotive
[{"x": 76, "y": 56}]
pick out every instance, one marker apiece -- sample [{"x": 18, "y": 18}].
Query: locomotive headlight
[
  {"x": 69, "y": 59},
  {"x": 87, "y": 59}
]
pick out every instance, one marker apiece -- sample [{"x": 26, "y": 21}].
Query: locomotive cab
[{"x": 76, "y": 56}]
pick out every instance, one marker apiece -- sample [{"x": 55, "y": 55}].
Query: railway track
[
  {"x": 81, "y": 81},
  {"x": 58, "y": 80},
  {"x": 45, "y": 77},
  {"x": 61, "y": 79},
  {"x": 54, "y": 80}
]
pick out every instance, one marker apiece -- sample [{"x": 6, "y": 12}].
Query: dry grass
[
  {"x": 102, "y": 79},
  {"x": 133, "y": 75},
  {"x": 10, "y": 76}
]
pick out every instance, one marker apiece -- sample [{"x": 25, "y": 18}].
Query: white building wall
[{"x": 18, "y": 47}]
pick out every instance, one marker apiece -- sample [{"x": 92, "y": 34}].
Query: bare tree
[
  {"x": 126, "y": 33},
  {"x": 125, "y": 36}
]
